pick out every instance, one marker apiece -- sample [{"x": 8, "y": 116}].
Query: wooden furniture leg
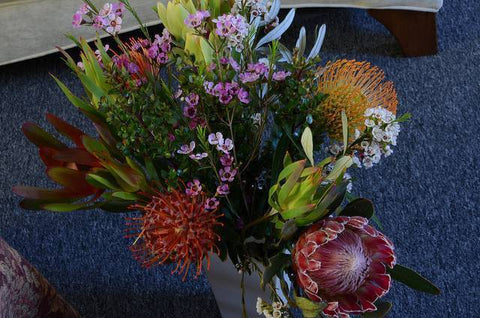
[{"x": 415, "y": 31}]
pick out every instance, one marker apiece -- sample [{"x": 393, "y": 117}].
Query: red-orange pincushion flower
[
  {"x": 175, "y": 228},
  {"x": 342, "y": 261}
]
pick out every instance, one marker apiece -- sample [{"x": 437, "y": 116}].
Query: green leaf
[
  {"x": 412, "y": 279},
  {"x": 64, "y": 207},
  {"x": 341, "y": 165},
  {"x": 116, "y": 206},
  {"x": 95, "y": 147},
  {"x": 345, "y": 131},
  {"x": 288, "y": 230},
  {"x": 277, "y": 264},
  {"x": 307, "y": 144},
  {"x": 103, "y": 180},
  {"x": 309, "y": 308},
  {"x": 70, "y": 178},
  {"x": 383, "y": 308},
  {"x": 359, "y": 207},
  {"x": 126, "y": 196},
  {"x": 90, "y": 111},
  {"x": 290, "y": 182}
]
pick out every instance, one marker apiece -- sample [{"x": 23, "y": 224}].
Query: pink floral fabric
[{"x": 24, "y": 292}]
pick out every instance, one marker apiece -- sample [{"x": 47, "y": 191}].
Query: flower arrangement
[{"x": 219, "y": 140}]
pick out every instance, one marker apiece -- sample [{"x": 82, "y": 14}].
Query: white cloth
[{"x": 32, "y": 28}]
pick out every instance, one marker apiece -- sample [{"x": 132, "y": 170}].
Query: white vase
[{"x": 225, "y": 282}]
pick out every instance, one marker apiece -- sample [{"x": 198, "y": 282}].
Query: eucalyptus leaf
[
  {"x": 359, "y": 207},
  {"x": 383, "y": 308},
  {"x": 412, "y": 279},
  {"x": 277, "y": 263},
  {"x": 309, "y": 308}
]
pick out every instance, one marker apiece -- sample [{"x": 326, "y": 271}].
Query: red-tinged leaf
[
  {"x": 129, "y": 179},
  {"x": 96, "y": 148},
  {"x": 46, "y": 154},
  {"x": 35, "y": 205},
  {"x": 59, "y": 195},
  {"x": 71, "y": 179},
  {"x": 77, "y": 155},
  {"x": 40, "y": 137},
  {"x": 69, "y": 131},
  {"x": 106, "y": 135}
]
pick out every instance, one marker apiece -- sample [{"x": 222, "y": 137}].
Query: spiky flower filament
[
  {"x": 353, "y": 87},
  {"x": 174, "y": 228}
]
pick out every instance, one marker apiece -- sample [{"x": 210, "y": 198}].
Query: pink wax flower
[
  {"x": 248, "y": 77},
  {"x": 186, "y": 149},
  {"x": 223, "y": 189},
  {"x": 215, "y": 139},
  {"x": 77, "y": 19},
  {"x": 226, "y": 160},
  {"x": 225, "y": 98},
  {"x": 194, "y": 20},
  {"x": 190, "y": 112},
  {"x": 225, "y": 146},
  {"x": 192, "y": 99},
  {"x": 280, "y": 75},
  {"x": 227, "y": 174},
  {"x": 243, "y": 96},
  {"x": 211, "y": 203},
  {"x": 342, "y": 261},
  {"x": 198, "y": 156},
  {"x": 193, "y": 188},
  {"x": 209, "y": 87}
]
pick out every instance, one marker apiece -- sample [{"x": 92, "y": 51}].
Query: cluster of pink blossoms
[
  {"x": 227, "y": 173},
  {"x": 234, "y": 28},
  {"x": 160, "y": 47},
  {"x": 195, "y": 20},
  {"x": 190, "y": 111},
  {"x": 261, "y": 70},
  {"x": 109, "y": 18},
  {"x": 227, "y": 91}
]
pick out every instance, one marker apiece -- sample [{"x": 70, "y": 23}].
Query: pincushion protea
[
  {"x": 354, "y": 87},
  {"x": 342, "y": 261},
  {"x": 175, "y": 227}
]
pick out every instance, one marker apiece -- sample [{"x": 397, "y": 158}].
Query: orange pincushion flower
[
  {"x": 353, "y": 87},
  {"x": 175, "y": 227}
]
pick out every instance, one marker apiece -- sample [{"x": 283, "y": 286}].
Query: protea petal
[{"x": 342, "y": 261}]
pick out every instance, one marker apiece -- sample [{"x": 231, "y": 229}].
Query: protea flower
[
  {"x": 353, "y": 87},
  {"x": 175, "y": 227},
  {"x": 342, "y": 261}
]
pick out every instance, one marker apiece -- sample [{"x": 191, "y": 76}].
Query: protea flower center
[{"x": 342, "y": 261}]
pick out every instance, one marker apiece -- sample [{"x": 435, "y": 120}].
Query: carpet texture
[{"x": 426, "y": 194}]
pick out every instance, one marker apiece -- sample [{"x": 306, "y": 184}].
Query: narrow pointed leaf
[
  {"x": 345, "y": 131},
  {"x": 383, "y": 308},
  {"x": 301, "y": 42},
  {"x": 278, "y": 30},
  {"x": 69, "y": 131},
  {"x": 412, "y": 279},
  {"x": 359, "y": 207},
  {"x": 40, "y": 137},
  {"x": 307, "y": 144},
  {"x": 318, "y": 43}
]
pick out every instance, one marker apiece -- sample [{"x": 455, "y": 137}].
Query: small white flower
[
  {"x": 259, "y": 305},
  {"x": 277, "y": 313},
  {"x": 377, "y": 133},
  {"x": 277, "y": 305},
  {"x": 368, "y": 112},
  {"x": 357, "y": 134},
  {"x": 367, "y": 162},
  {"x": 369, "y": 122}
]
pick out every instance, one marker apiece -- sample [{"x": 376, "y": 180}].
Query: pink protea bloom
[{"x": 342, "y": 261}]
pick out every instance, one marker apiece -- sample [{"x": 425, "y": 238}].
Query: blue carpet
[{"x": 426, "y": 194}]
